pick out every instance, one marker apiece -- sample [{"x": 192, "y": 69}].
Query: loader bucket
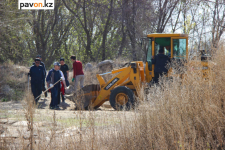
[{"x": 84, "y": 97}]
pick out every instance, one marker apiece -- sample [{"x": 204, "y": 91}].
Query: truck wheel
[{"x": 122, "y": 98}]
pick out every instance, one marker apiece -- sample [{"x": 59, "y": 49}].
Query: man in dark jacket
[
  {"x": 53, "y": 76},
  {"x": 160, "y": 62},
  {"x": 43, "y": 65},
  {"x": 37, "y": 78},
  {"x": 65, "y": 69}
]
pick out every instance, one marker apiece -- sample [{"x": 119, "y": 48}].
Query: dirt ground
[{"x": 65, "y": 122}]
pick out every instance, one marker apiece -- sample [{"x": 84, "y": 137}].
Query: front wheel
[{"x": 122, "y": 98}]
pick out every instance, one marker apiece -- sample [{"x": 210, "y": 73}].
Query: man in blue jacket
[
  {"x": 37, "y": 78},
  {"x": 43, "y": 65},
  {"x": 53, "y": 76},
  {"x": 160, "y": 62}
]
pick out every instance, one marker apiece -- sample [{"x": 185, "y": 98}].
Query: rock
[
  {"x": 88, "y": 67},
  {"x": 105, "y": 66},
  {"x": 105, "y": 62}
]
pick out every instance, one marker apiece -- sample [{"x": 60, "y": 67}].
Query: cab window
[
  {"x": 179, "y": 48},
  {"x": 163, "y": 42},
  {"x": 149, "y": 54}
]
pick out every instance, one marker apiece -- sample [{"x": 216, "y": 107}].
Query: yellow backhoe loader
[{"x": 122, "y": 89}]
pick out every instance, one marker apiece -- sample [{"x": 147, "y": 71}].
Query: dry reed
[{"x": 176, "y": 114}]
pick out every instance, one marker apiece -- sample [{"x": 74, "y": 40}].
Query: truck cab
[{"x": 175, "y": 46}]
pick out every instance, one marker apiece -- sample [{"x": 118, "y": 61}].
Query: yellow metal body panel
[
  {"x": 100, "y": 80},
  {"x": 125, "y": 74},
  {"x": 148, "y": 73}
]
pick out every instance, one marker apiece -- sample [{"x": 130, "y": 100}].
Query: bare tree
[
  {"x": 85, "y": 12},
  {"x": 123, "y": 30},
  {"x": 130, "y": 16},
  {"x": 218, "y": 22},
  {"x": 11, "y": 22},
  {"x": 107, "y": 25},
  {"x": 49, "y": 30},
  {"x": 164, "y": 10}
]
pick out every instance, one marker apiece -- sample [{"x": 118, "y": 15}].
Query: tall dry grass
[
  {"x": 13, "y": 81},
  {"x": 176, "y": 114},
  {"x": 182, "y": 114}
]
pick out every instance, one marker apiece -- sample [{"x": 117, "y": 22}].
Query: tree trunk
[{"x": 105, "y": 32}]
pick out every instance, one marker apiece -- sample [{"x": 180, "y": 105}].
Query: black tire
[{"x": 122, "y": 90}]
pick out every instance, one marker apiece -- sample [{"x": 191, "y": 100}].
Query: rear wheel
[{"x": 122, "y": 98}]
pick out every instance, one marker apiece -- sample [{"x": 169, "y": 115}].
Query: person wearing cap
[
  {"x": 37, "y": 78},
  {"x": 78, "y": 74},
  {"x": 43, "y": 65},
  {"x": 160, "y": 62},
  {"x": 65, "y": 69},
  {"x": 53, "y": 76}
]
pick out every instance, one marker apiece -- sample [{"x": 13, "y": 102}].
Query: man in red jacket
[{"x": 78, "y": 74}]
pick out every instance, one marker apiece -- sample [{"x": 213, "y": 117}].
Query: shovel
[{"x": 49, "y": 88}]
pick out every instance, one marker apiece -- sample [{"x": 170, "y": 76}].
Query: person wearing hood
[{"x": 160, "y": 62}]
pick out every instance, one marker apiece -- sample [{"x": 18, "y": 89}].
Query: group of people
[{"x": 57, "y": 79}]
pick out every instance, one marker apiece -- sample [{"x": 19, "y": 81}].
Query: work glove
[
  {"x": 72, "y": 79},
  {"x": 50, "y": 85}
]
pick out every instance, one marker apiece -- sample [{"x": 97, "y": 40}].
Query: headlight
[{"x": 204, "y": 68}]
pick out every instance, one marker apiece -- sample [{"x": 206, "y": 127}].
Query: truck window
[
  {"x": 179, "y": 48},
  {"x": 164, "y": 42},
  {"x": 149, "y": 54}
]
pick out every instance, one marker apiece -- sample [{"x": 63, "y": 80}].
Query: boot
[{"x": 63, "y": 98}]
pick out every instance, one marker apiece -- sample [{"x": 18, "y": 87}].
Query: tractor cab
[{"x": 175, "y": 46}]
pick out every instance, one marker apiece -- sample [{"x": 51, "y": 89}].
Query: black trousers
[
  {"x": 157, "y": 74},
  {"x": 36, "y": 90},
  {"x": 55, "y": 96}
]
